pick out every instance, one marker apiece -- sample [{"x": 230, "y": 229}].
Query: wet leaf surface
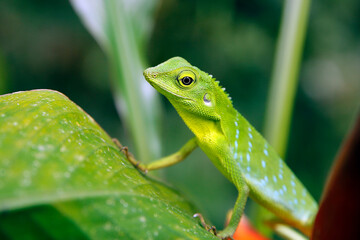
[{"x": 61, "y": 175}]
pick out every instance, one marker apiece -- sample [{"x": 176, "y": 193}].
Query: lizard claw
[
  {"x": 125, "y": 150},
  {"x": 129, "y": 156},
  {"x": 206, "y": 226},
  {"x": 117, "y": 143}
]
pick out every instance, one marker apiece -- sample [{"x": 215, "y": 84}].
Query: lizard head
[{"x": 187, "y": 88}]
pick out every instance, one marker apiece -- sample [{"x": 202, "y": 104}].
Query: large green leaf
[{"x": 61, "y": 176}]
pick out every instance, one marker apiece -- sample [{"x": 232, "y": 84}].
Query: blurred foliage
[
  {"x": 112, "y": 24},
  {"x": 45, "y": 45}
]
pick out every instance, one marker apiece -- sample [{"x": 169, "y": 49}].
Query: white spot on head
[
  {"x": 304, "y": 192},
  {"x": 284, "y": 187},
  {"x": 295, "y": 201},
  {"x": 250, "y": 144},
  {"x": 293, "y": 183},
  {"x": 281, "y": 191},
  {"x": 236, "y": 144},
  {"x": 250, "y": 135},
  {"x": 294, "y": 191},
  {"x": 15, "y": 123},
  {"x": 235, "y": 155},
  {"x": 241, "y": 158},
  {"x": 248, "y": 169},
  {"x": 237, "y": 133},
  {"x": 249, "y": 128},
  {"x": 302, "y": 201},
  {"x": 266, "y": 179},
  {"x": 236, "y": 124},
  {"x": 263, "y": 163},
  {"x": 280, "y": 176},
  {"x": 248, "y": 157}
]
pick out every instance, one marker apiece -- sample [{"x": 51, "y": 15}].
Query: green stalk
[
  {"x": 284, "y": 82},
  {"x": 138, "y": 107}
]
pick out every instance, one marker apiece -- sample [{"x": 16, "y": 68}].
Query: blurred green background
[{"x": 43, "y": 44}]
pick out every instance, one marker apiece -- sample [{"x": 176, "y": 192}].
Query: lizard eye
[{"x": 186, "y": 78}]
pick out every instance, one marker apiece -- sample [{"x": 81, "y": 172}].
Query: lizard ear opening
[{"x": 207, "y": 100}]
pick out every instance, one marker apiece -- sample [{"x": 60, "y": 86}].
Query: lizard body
[{"x": 233, "y": 145}]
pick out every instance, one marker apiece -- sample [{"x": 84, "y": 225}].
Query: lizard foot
[
  {"x": 130, "y": 157},
  {"x": 117, "y": 143},
  {"x": 209, "y": 228}
]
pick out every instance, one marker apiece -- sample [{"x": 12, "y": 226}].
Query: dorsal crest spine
[{"x": 222, "y": 88}]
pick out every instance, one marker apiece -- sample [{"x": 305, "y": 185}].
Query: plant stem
[
  {"x": 138, "y": 104},
  {"x": 284, "y": 79}
]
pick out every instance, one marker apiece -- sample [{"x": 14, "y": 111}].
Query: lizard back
[{"x": 271, "y": 181}]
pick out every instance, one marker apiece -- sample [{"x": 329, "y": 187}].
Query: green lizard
[{"x": 233, "y": 145}]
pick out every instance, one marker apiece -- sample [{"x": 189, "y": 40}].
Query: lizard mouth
[
  {"x": 163, "y": 88},
  {"x": 151, "y": 78}
]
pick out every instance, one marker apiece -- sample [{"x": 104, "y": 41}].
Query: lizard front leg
[
  {"x": 237, "y": 212},
  {"x": 165, "y": 161}
]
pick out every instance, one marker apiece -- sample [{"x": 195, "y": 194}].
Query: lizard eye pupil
[{"x": 187, "y": 80}]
